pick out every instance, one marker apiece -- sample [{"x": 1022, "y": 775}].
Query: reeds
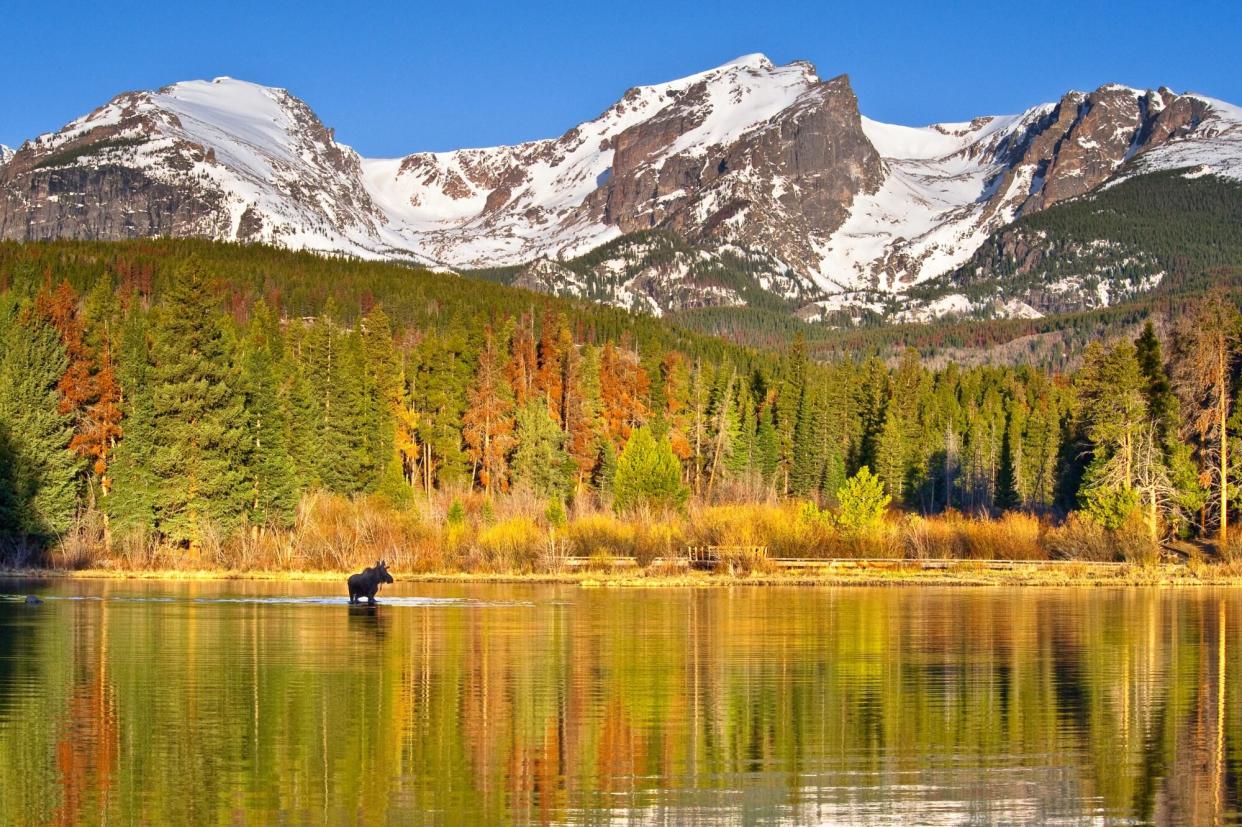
[{"x": 463, "y": 531}]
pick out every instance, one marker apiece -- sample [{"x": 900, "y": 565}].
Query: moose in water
[{"x": 367, "y": 582}]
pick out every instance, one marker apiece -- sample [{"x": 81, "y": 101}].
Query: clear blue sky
[{"x": 394, "y": 78}]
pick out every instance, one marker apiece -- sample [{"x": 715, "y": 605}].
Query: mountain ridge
[{"x": 748, "y": 161}]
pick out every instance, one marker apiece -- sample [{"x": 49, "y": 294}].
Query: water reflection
[{"x": 259, "y": 702}]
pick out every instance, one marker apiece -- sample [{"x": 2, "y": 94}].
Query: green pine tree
[
  {"x": 198, "y": 417},
  {"x": 269, "y": 467},
  {"x": 42, "y": 472},
  {"x": 648, "y": 474},
  {"x": 540, "y": 461}
]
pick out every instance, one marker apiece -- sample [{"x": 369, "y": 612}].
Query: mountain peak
[
  {"x": 754, "y": 60},
  {"x": 748, "y": 158}
]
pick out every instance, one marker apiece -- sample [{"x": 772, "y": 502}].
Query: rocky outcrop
[{"x": 774, "y": 188}]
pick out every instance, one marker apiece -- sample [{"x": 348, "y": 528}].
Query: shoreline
[{"x": 964, "y": 573}]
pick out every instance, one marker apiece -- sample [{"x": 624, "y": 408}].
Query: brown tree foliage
[
  {"x": 523, "y": 361},
  {"x": 488, "y": 423},
  {"x": 624, "y": 388},
  {"x": 550, "y": 377}
]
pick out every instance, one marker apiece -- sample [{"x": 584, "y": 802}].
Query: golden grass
[
  {"x": 958, "y": 574},
  {"x": 514, "y": 537}
]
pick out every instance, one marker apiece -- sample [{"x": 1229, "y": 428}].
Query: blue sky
[{"x": 394, "y": 78}]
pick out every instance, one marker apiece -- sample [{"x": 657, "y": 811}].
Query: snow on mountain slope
[
  {"x": 747, "y": 162},
  {"x": 506, "y": 205},
  {"x": 223, "y": 158},
  {"x": 1213, "y": 147},
  {"x": 934, "y": 208}
]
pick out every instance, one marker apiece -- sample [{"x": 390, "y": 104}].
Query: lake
[{"x": 251, "y": 702}]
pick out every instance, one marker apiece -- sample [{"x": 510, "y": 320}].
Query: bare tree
[{"x": 1205, "y": 349}]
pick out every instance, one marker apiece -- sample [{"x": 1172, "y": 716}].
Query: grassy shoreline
[{"x": 955, "y": 573}]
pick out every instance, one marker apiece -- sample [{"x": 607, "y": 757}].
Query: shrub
[
  {"x": 339, "y": 534},
  {"x": 1110, "y": 507},
  {"x": 1231, "y": 551},
  {"x": 1014, "y": 536},
  {"x": 658, "y": 540},
  {"x": 509, "y": 545},
  {"x": 648, "y": 474},
  {"x": 555, "y": 513},
  {"x": 862, "y": 502},
  {"x": 600, "y": 534},
  {"x": 934, "y": 539},
  {"x": 1081, "y": 538},
  {"x": 1134, "y": 543}
]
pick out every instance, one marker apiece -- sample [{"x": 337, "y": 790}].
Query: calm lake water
[{"x": 199, "y": 703}]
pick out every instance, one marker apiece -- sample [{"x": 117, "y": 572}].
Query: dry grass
[
  {"x": 466, "y": 532},
  {"x": 952, "y": 536}
]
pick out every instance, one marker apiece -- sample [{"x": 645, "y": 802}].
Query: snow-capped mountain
[
  {"x": 759, "y": 169},
  {"x": 5, "y": 154},
  {"x": 221, "y": 159}
]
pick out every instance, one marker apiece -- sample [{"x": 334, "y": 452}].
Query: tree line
[{"x": 184, "y": 410}]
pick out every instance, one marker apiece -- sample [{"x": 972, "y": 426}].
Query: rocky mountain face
[{"x": 760, "y": 183}]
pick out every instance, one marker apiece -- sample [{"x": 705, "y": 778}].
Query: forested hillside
[
  {"x": 1164, "y": 230},
  {"x": 184, "y": 392},
  {"x": 1096, "y": 266}
]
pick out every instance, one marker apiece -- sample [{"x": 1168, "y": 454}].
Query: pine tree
[
  {"x": 1164, "y": 409},
  {"x": 863, "y": 501},
  {"x": 583, "y": 418},
  {"x": 198, "y": 427},
  {"x": 807, "y": 465},
  {"x": 442, "y": 374},
  {"x": 42, "y": 471},
  {"x": 540, "y": 461},
  {"x": 269, "y": 466},
  {"x": 789, "y": 407},
  {"x": 1205, "y": 352},
  {"x": 130, "y": 506},
  {"x": 99, "y": 430},
  {"x": 676, "y": 413},
  {"x": 623, "y": 388},
  {"x": 382, "y": 399},
  {"x": 523, "y": 359},
  {"x": 648, "y": 474},
  {"x": 549, "y": 377},
  {"x": 767, "y": 443},
  {"x": 1120, "y": 433}
]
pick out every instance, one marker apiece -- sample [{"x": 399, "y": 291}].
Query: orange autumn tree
[
  {"x": 89, "y": 390},
  {"x": 583, "y": 419},
  {"x": 677, "y": 414},
  {"x": 550, "y": 377},
  {"x": 59, "y": 307},
  {"x": 523, "y": 359},
  {"x": 488, "y": 423},
  {"x": 624, "y": 387}
]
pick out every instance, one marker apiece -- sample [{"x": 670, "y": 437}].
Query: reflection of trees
[
  {"x": 87, "y": 746},
  {"x": 758, "y": 701}
]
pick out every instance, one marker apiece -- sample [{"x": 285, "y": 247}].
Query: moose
[{"x": 367, "y": 582}]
